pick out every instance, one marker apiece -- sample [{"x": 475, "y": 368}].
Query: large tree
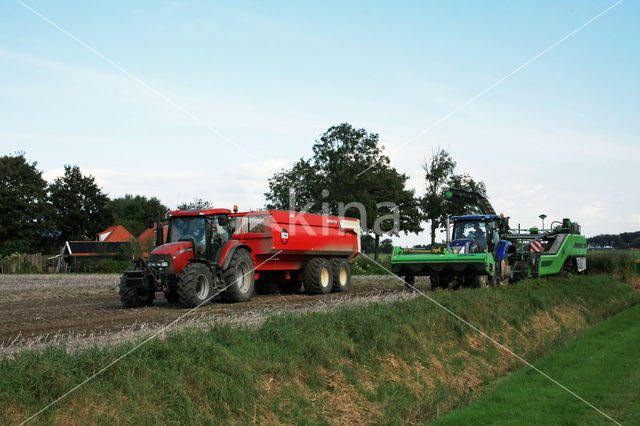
[
  {"x": 348, "y": 174},
  {"x": 132, "y": 212},
  {"x": 439, "y": 176},
  {"x": 81, "y": 208},
  {"x": 24, "y": 208}
]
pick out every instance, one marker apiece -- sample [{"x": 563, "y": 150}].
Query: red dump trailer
[{"x": 218, "y": 253}]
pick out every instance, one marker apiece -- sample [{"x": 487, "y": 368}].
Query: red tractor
[{"x": 215, "y": 252}]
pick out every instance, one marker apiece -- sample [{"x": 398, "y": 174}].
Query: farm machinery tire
[
  {"x": 239, "y": 277},
  {"x": 317, "y": 277},
  {"x": 195, "y": 285},
  {"x": 134, "y": 297},
  {"x": 341, "y": 274}
]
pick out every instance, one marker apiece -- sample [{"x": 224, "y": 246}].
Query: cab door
[{"x": 218, "y": 234}]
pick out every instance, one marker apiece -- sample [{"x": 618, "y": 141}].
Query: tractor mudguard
[
  {"x": 501, "y": 249},
  {"x": 228, "y": 249}
]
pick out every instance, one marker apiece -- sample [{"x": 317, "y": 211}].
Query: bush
[
  {"x": 619, "y": 263},
  {"x": 363, "y": 265},
  {"x": 20, "y": 262}
]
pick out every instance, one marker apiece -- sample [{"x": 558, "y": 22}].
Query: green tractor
[{"x": 482, "y": 250}]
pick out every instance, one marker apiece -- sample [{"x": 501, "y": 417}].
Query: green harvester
[{"x": 482, "y": 250}]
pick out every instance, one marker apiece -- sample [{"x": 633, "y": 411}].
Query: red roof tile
[{"x": 117, "y": 234}]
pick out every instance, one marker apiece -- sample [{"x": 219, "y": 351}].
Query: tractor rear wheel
[
  {"x": 317, "y": 277},
  {"x": 341, "y": 274},
  {"x": 134, "y": 297},
  {"x": 239, "y": 277},
  {"x": 195, "y": 285}
]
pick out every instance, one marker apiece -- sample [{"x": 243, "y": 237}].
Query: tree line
[
  {"x": 625, "y": 240},
  {"x": 37, "y": 216},
  {"x": 347, "y": 165}
]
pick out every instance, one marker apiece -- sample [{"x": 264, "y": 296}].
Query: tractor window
[
  {"x": 475, "y": 230},
  {"x": 188, "y": 229}
]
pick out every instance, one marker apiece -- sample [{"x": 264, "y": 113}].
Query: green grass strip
[{"x": 602, "y": 366}]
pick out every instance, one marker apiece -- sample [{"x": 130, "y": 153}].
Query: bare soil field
[{"x": 85, "y": 308}]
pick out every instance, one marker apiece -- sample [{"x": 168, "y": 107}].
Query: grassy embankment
[
  {"x": 602, "y": 366},
  {"x": 402, "y": 362}
]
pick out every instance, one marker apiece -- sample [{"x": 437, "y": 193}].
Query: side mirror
[
  {"x": 223, "y": 220},
  {"x": 150, "y": 222}
]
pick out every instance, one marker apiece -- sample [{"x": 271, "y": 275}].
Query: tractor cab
[
  {"x": 475, "y": 233},
  {"x": 207, "y": 231}
]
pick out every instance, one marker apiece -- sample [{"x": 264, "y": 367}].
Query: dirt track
[{"x": 38, "y": 309}]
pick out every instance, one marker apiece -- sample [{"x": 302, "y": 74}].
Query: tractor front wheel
[
  {"x": 195, "y": 284},
  {"x": 239, "y": 277},
  {"x": 134, "y": 297}
]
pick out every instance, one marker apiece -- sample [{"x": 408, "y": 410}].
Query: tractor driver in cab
[{"x": 479, "y": 236}]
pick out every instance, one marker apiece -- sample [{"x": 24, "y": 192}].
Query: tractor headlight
[{"x": 158, "y": 264}]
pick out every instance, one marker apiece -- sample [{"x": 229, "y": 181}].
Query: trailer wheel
[
  {"x": 239, "y": 277},
  {"x": 132, "y": 297},
  {"x": 341, "y": 274},
  {"x": 195, "y": 283},
  {"x": 317, "y": 277}
]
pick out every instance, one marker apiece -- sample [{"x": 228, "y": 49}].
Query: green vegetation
[
  {"x": 349, "y": 175},
  {"x": 362, "y": 265},
  {"x": 394, "y": 363},
  {"x": 619, "y": 263},
  {"x": 602, "y": 367}
]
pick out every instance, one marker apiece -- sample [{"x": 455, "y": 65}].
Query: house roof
[
  {"x": 149, "y": 235},
  {"x": 115, "y": 234}
]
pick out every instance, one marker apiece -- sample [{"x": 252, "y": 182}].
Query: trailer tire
[
  {"x": 195, "y": 284},
  {"x": 239, "y": 277},
  {"x": 317, "y": 277},
  {"x": 341, "y": 274},
  {"x": 132, "y": 297}
]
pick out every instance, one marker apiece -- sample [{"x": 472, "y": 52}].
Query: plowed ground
[{"x": 44, "y": 306}]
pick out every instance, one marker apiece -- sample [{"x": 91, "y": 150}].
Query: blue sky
[{"x": 260, "y": 81}]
